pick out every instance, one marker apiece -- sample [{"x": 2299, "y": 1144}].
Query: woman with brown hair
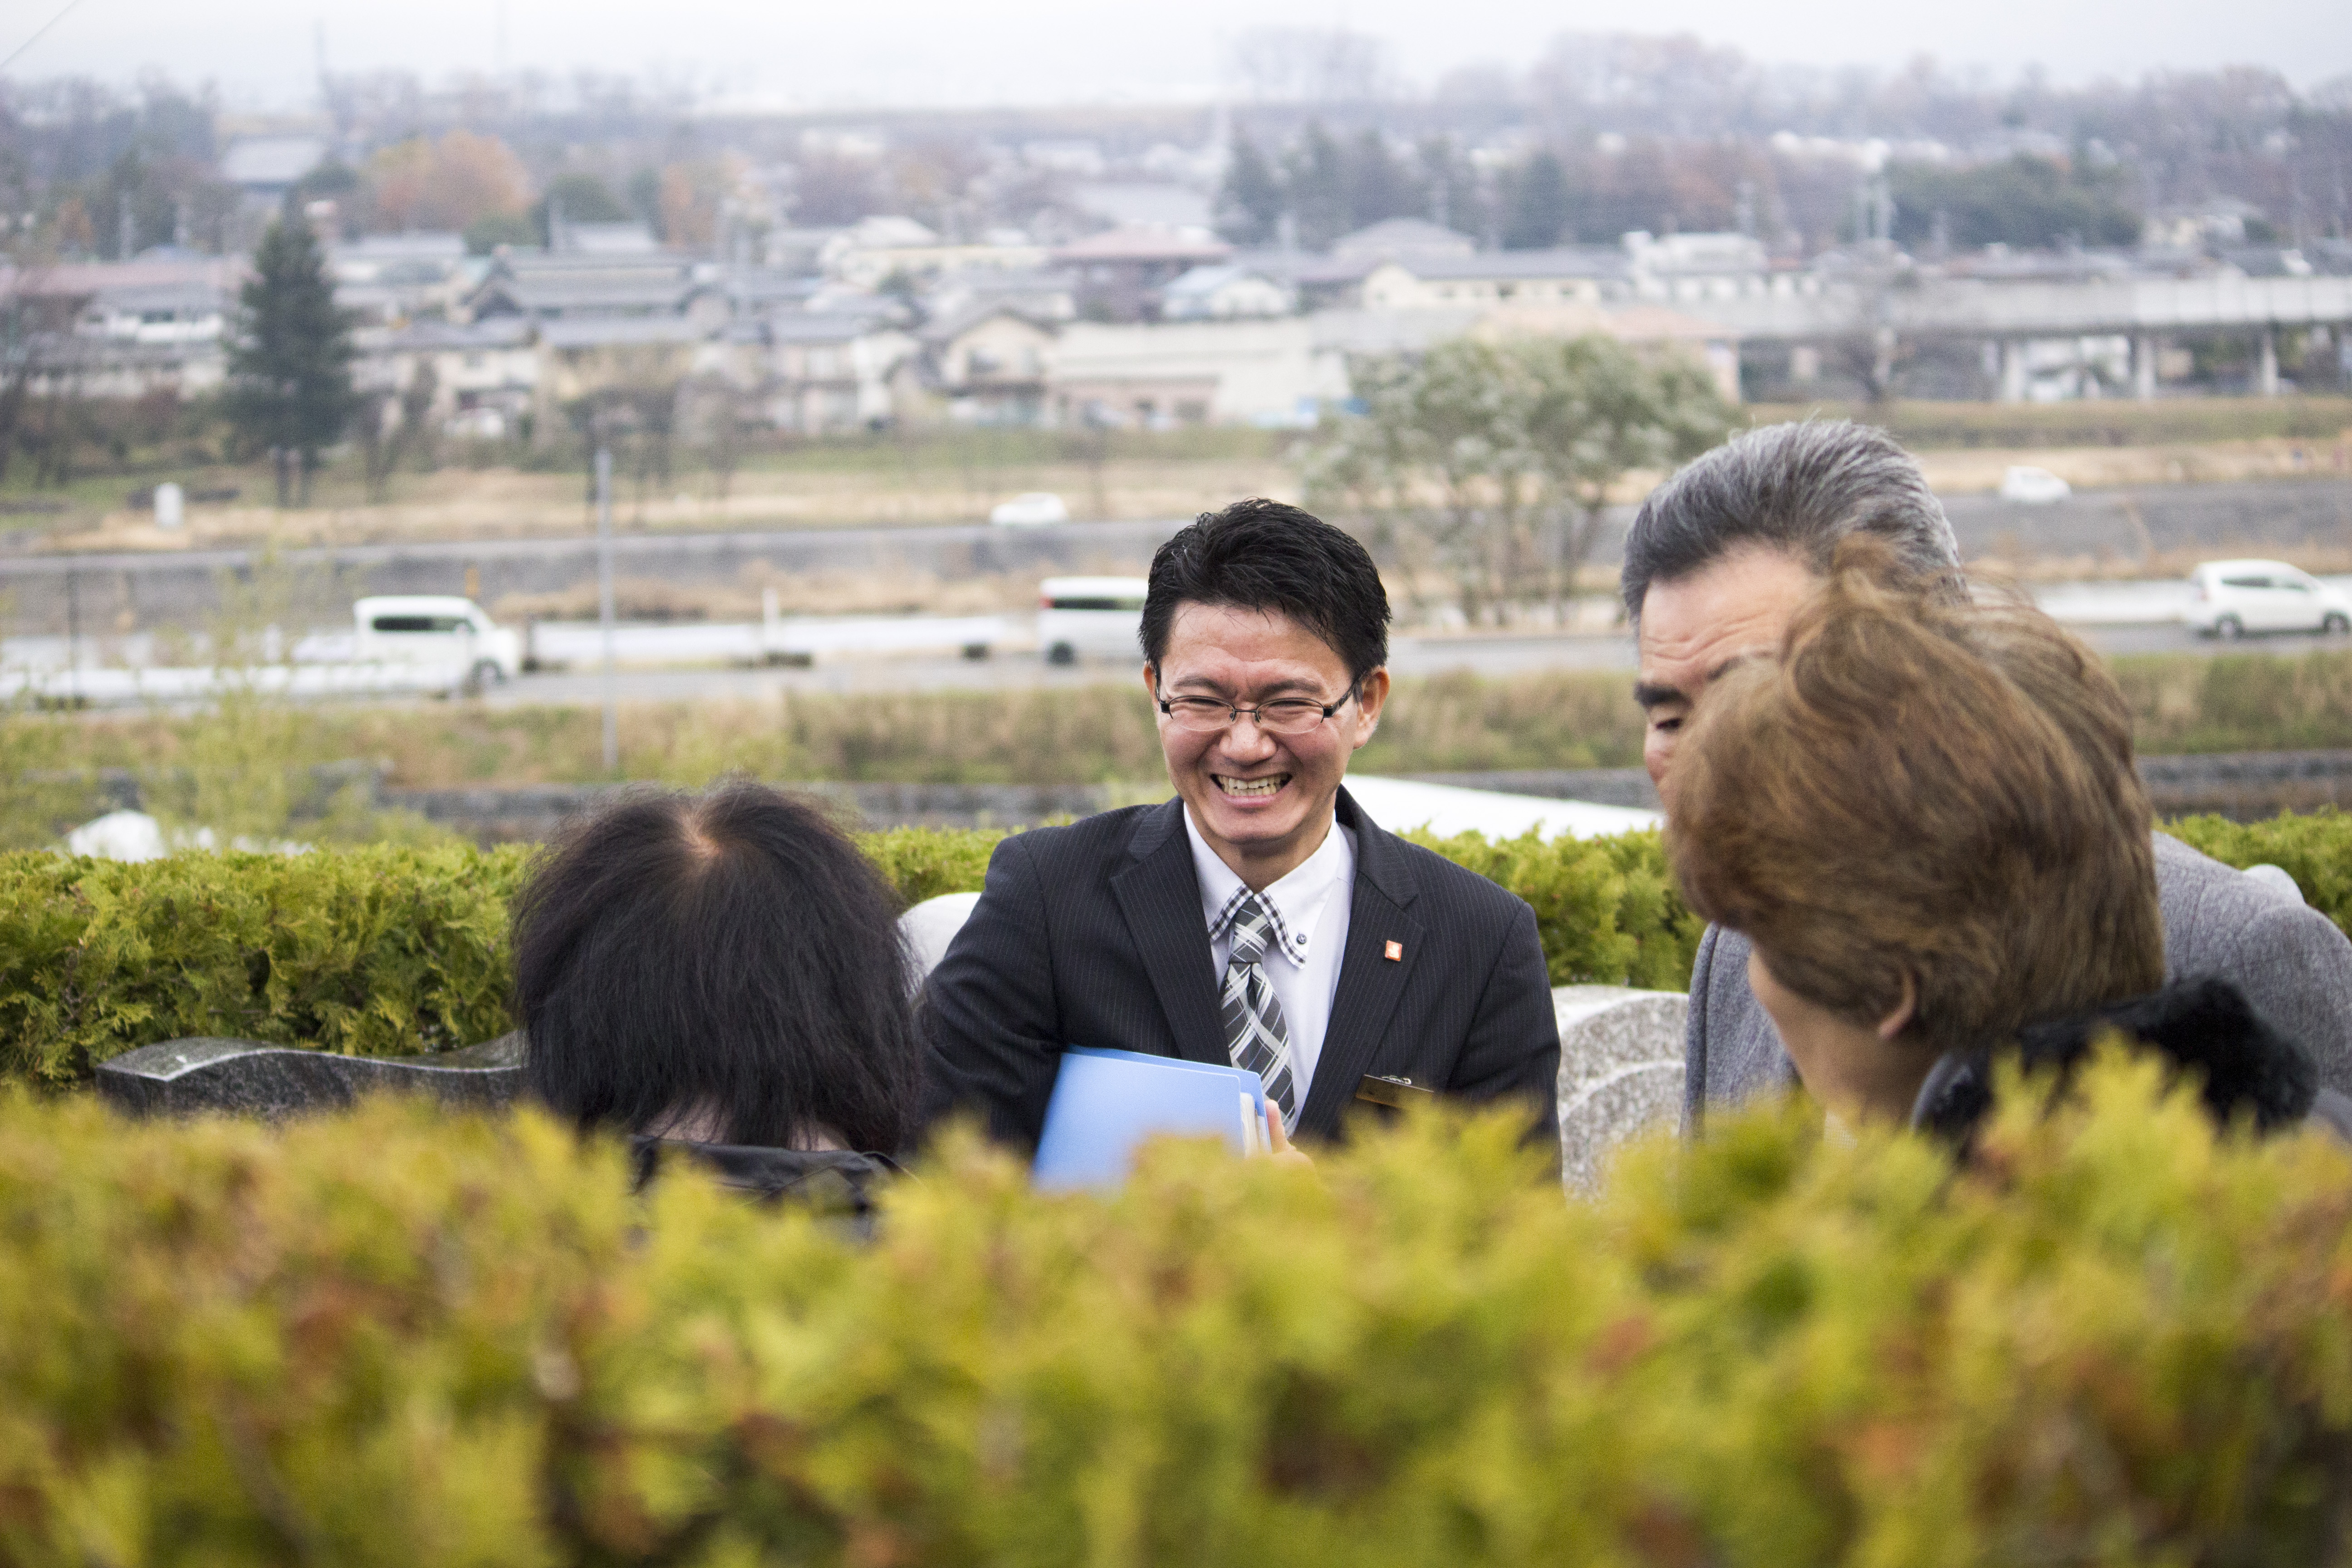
[{"x": 1924, "y": 815}]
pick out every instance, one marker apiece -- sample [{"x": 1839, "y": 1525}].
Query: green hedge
[
  {"x": 2316, "y": 850},
  {"x": 392, "y": 951},
  {"x": 374, "y": 951},
  {"x": 398, "y": 1338}
]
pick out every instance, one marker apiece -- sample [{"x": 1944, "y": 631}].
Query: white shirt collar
[{"x": 1295, "y": 903}]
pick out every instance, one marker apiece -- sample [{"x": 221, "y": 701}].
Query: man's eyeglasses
[{"x": 1285, "y": 716}]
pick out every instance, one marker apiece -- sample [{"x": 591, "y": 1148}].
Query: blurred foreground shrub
[
  {"x": 398, "y": 1338},
  {"x": 392, "y": 950}
]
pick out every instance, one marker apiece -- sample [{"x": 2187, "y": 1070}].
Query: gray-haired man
[{"x": 1718, "y": 557}]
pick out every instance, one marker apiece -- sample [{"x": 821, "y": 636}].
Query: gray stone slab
[
  {"x": 1621, "y": 1071},
  {"x": 191, "y": 1077}
]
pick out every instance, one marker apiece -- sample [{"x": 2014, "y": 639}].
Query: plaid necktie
[{"x": 1256, "y": 1033}]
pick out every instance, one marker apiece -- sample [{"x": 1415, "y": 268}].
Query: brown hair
[{"x": 1914, "y": 786}]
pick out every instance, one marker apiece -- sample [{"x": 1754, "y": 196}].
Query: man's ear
[
  {"x": 1372, "y": 696},
  {"x": 1907, "y": 1010},
  {"x": 1151, "y": 682}
]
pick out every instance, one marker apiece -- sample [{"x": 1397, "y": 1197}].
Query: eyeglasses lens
[{"x": 1204, "y": 717}]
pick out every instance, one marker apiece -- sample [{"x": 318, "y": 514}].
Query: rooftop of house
[
  {"x": 564, "y": 297},
  {"x": 818, "y": 327},
  {"x": 78, "y": 278},
  {"x": 1205, "y": 280},
  {"x": 1307, "y": 268},
  {"x": 763, "y": 288},
  {"x": 185, "y": 297},
  {"x": 1400, "y": 235},
  {"x": 1137, "y": 242},
  {"x": 1556, "y": 262},
  {"x": 497, "y": 332},
  {"x": 66, "y": 352},
  {"x": 955, "y": 324},
  {"x": 1707, "y": 251},
  {"x": 620, "y": 331}
]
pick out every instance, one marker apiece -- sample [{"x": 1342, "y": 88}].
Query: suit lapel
[
  {"x": 1160, "y": 894},
  {"x": 1370, "y": 982}
]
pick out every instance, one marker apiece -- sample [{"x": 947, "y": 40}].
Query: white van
[
  {"x": 1099, "y": 617},
  {"x": 436, "y": 628},
  {"x": 2033, "y": 487},
  {"x": 2227, "y": 599}
]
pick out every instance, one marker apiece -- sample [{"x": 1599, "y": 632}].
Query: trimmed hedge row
[
  {"x": 373, "y": 952},
  {"x": 399, "y": 1337},
  {"x": 388, "y": 951}
]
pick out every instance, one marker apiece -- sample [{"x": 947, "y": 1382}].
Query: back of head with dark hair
[
  {"x": 1267, "y": 555},
  {"x": 731, "y": 953},
  {"x": 1798, "y": 488}
]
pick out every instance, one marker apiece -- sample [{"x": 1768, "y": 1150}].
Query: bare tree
[
  {"x": 1481, "y": 449},
  {"x": 390, "y": 426}
]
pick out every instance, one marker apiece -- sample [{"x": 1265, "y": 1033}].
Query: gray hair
[{"x": 1796, "y": 487}]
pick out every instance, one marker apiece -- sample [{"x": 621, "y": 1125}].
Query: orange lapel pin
[{"x": 1394, "y": 952}]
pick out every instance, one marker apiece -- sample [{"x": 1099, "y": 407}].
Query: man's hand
[{"x": 1279, "y": 1139}]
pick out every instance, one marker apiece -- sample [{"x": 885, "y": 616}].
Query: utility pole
[
  {"x": 605, "y": 605},
  {"x": 73, "y": 633}
]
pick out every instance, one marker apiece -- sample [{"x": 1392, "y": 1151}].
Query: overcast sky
[{"x": 262, "y": 52}]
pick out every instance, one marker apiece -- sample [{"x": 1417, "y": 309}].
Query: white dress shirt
[{"x": 1311, "y": 909}]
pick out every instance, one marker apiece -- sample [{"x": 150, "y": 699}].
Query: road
[
  {"x": 122, "y": 589},
  {"x": 1483, "y": 656}
]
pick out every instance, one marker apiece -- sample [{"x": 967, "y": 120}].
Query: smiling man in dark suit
[{"x": 1260, "y": 919}]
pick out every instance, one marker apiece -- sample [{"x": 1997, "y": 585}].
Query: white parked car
[
  {"x": 2230, "y": 598},
  {"x": 1097, "y": 615},
  {"x": 436, "y": 628},
  {"x": 1036, "y": 510},
  {"x": 2033, "y": 487}
]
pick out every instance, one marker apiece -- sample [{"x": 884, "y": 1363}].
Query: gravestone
[
  {"x": 191, "y": 1076},
  {"x": 1621, "y": 1071}
]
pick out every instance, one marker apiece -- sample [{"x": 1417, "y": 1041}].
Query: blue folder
[{"x": 1106, "y": 1103}]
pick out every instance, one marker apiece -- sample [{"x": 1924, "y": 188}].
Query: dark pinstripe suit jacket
[{"x": 1092, "y": 935}]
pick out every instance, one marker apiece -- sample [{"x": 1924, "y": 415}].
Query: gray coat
[{"x": 2290, "y": 960}]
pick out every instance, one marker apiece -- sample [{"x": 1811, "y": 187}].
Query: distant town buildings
[{"x": 1122, "y": 309}]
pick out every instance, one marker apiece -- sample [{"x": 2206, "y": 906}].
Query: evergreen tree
[
  {"x": 1378, "y": 185},
  {"x": 1250, "y": 204},
  {"x": 1537, "y": 210},
  {"x": 1450, "y": 187},
  {"x": 577, "y": 198},
  {"x": 289, "y": 386},
  {"x": 1319, "y": 188}
]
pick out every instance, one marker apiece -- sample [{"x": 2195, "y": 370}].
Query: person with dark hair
[
  {"x": 1716, "y": 562},
  {"x": 720, "y": 970},
  {"x": 1260, "y": 919}
]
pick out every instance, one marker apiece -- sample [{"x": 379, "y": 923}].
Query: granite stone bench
[
  {"x": 1621, "y": 1071},
  {"x": 191, "y": 1077}
]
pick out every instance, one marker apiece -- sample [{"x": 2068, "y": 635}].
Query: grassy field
[
  {"x": 1087, "y": 735},
  {"x": 899, "y": 478}
]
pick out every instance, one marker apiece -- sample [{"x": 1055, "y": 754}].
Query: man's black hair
[
  {"x": 730, "y": 951},
  {"x": 1261, "y": 554}
]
